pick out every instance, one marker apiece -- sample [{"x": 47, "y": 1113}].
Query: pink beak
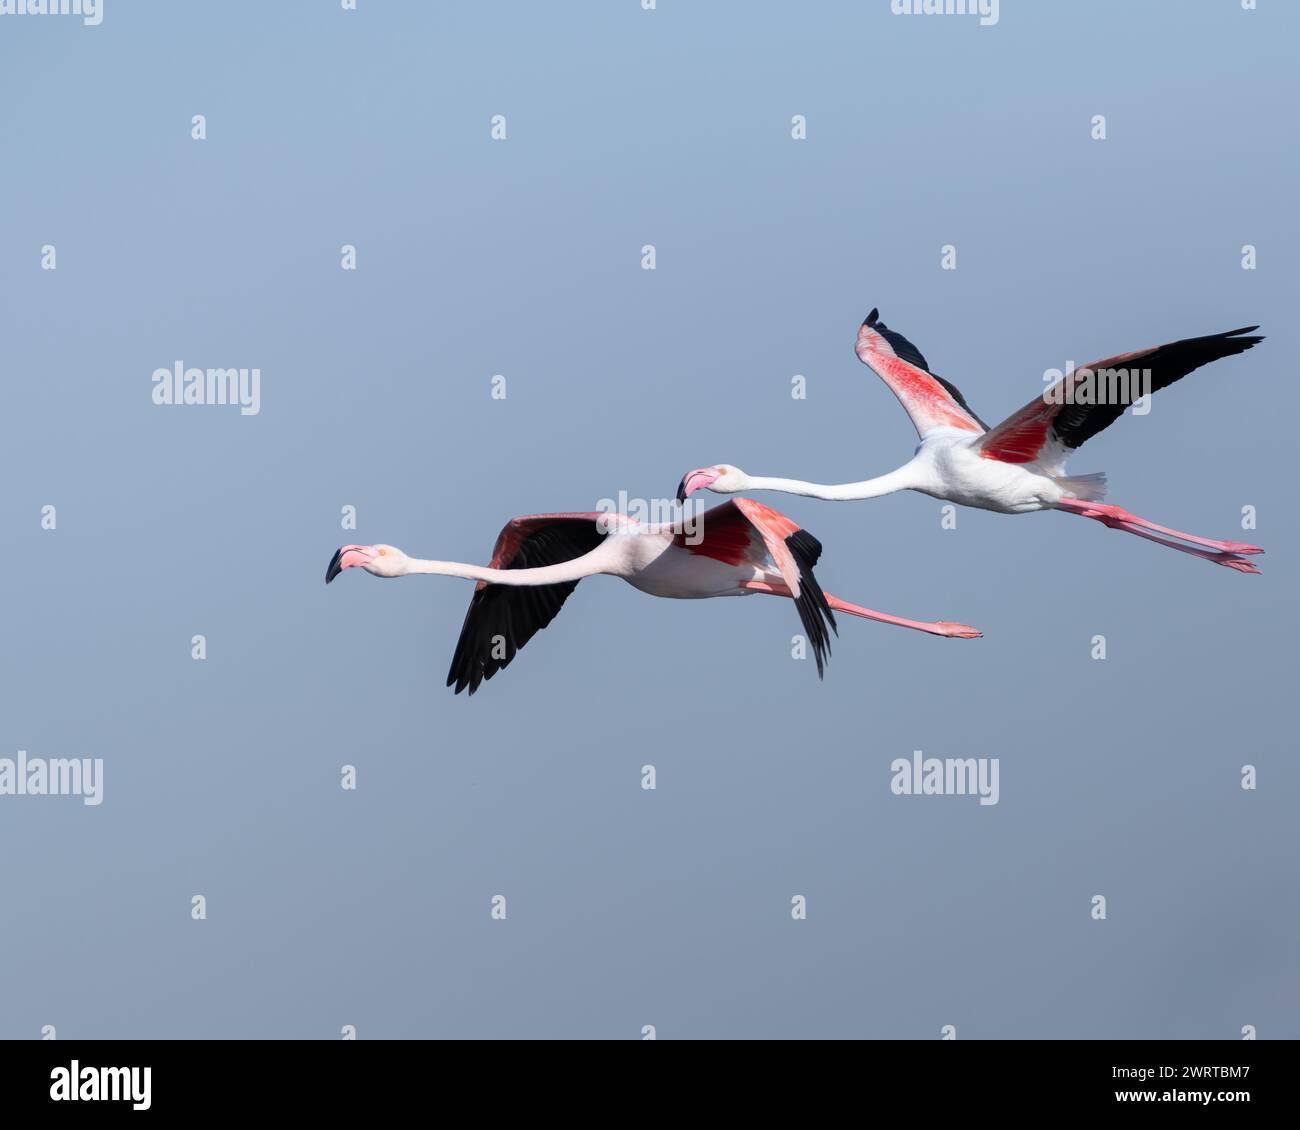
[
  {"x": 696, "y": 480},
  {"x": 347, "y": 556}
]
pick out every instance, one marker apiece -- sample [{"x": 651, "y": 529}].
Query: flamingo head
[
  {"x": 722, "y": 478},
  {"x": 381, "y": 560}
]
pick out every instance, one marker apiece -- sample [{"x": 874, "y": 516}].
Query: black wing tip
[
  {"x": 468, "y": 671},
  {"x": 1227, "y": 344},
  {"x": 814, "y": 610},
  {"x": 872, "y": 318},
  {"x": 1235, "y": 339},
  {"x": 463, "y": 681},
  {"x": 806, "y": 548}
]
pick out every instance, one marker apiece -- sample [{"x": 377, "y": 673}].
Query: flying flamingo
[
  {"x": 1019, "y": 466},
  {"x": 738, "y": 548}
]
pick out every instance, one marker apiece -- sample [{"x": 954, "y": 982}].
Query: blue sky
[{"x": 522, "y": 258}]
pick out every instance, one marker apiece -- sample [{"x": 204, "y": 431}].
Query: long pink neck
[
  {"x": 573, "y": 570},
  {"x": 901, "y": 479}
]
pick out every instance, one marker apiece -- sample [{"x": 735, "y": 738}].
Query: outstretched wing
[
  {"x": 503, "y": 618},
  {"x": 929, "y": 400},
  {"x": 1065, "y": 416},
  {"x": 742, "y": 530}
]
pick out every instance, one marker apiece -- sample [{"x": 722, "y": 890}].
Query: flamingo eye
[{"x": 380, "y": 552}]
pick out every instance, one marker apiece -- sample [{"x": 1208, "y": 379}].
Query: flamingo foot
[
  {"x": 1238, "y": 547},
  {"x": 957, "y": 631},
  {"x": 1238, "y": 563}
]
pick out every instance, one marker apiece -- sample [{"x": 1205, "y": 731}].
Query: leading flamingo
[
  {"x": 1019, "y": 466},
  {"x": 738, "y": 548}
]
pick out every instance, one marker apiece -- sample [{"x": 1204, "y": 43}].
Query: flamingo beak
[
  {"x": 346, "y": 556},
  {"x": 696, "y": 480}
]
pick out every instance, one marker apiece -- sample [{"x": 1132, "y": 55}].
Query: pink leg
[
  {"x": 1102, "y": 511},
  {"x": 936, "y": 627},
  {"x": 1226, "y": 559},
  {"x": 1107, "y": 517}
]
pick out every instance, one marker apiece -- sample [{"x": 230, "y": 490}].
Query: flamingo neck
[
  {"x": 573, "y": 570},
  {"x": 451, "y": 569},
  {"x": 900, "y": 479}
]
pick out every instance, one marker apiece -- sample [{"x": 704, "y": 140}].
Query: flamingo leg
[
  {"x": 1218, "y": 557},
  {"x": 934, "y": 627},
  {"x": 1118, "y": 518}
]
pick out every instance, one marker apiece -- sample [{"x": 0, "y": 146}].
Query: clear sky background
[{"x": 522, "y": 258}]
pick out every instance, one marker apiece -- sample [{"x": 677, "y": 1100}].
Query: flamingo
[
  {"x": 1019, "y": 466},
  {"x": 738, "y": 548}
]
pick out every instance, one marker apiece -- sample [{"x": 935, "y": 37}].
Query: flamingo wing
[
  {"x": 503, "y": 618},
  {"x": 928, "y": 399},
  {"x": 1050, "y": 426},
  {"x": 742, "y": 531}
]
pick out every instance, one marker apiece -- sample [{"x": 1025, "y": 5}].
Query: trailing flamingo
[
  {"x": 738, "y": 548},
  {"x": 1019, "y": 466}
]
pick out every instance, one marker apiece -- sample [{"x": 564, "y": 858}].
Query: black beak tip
[
  {"x": 681, "y": 491},
  {"x": 334, "y": 570}
]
